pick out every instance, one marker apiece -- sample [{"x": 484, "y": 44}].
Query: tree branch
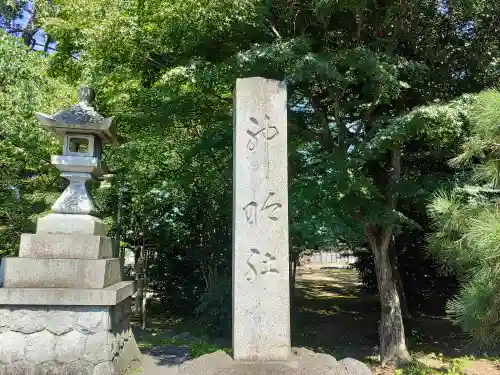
[
  {"x": 338, "y": 120},
  {"x": 395, "y": 175},
  {"x": 370, "y": 236},
  {"x": 359, "y": 23},
  {"x": 273, "y": 29},
  {"x": 326, "y": 137},
  {"x": 306, "y": 133},
  {"x": 373, "y": 106}
]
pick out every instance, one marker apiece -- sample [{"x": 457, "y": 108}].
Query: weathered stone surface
[
  {"x": 104, "y": 368},
  {"x": 261, "y": 310},
  {"x": 28, "y": 320},
  {"x": 302, "y": 362},
  {"x": 121, "y": 311},
  {"x": 351, "y": 366},
  {"x": 91, "y": 341},
  {"x": 65, "y": 246},
  {"x": 109, "y": 296},
  {"x": 207, "y": 364},
  {"x": 71, "y": 347},
  {"x": 4, "y": 316},
  {"x": 93, "y": 319},
  {"x": 79, "y": 367},
  {"x": 99, "y": 347},
  {"x": 80, "y": 117},
  {"x": 130, "y": 353},
  {"x": 40, "y": 347},
  {"x": 136, "y": 366},
  {"x": 315, "y": 360},
  {"x": 78, "y": 170},
  {"x": 47, "y": 368},
  {"x": 61, "y": 320},
  {"x": 70, "y": 224},
  {"x": 60, "y": 273},
  {"x": 18, "y": 368},
  {"x": 13, "y": 345}
]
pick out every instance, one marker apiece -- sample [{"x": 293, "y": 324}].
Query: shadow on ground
[{"x": 333, "y": 315}]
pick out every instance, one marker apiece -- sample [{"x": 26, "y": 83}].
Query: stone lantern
[
  {"x": 64, "y": 306},
  {"x": 84, "y": 132}
]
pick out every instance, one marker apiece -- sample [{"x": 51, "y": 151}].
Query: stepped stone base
[
  {"x": 302, "y": 362},
  {"x": 67, "y": 340},
  {"x": 60, "y": 273}
]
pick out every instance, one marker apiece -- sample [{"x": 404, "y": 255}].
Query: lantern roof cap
[{"x": 80, "y": 118}]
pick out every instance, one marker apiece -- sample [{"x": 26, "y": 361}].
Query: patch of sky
[
  {"x": 20, "y": 24},
  {"x": 443, "y": 7}
]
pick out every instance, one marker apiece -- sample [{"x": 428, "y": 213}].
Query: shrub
[{"x": 214, "y": 309}]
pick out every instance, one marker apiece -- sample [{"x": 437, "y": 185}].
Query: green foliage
[
  {"x": 214, "y": 309},
  {"x": 467, "y": 226},
  {"x": 28, "y": 184},
  {"x": 455, "y": 366},
  {"x": 198, "y": 346}
]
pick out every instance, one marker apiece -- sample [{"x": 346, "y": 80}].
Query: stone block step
[
  {"x": 108, "y": 296},
  {"x": 65, "y": 246},
  {"x": 69, "y": 224},
  {"x": 60, "y": 273}
]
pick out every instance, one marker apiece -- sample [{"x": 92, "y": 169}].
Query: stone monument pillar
[
  {"x": 261, "y": 297},
  {"x": 261, "y": 290},
  {"x": 64, "y": 307}
]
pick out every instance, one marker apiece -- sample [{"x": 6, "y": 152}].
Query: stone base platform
[
  {"x": 302, "y": 362},
  {"x": 67, "y": 340}
]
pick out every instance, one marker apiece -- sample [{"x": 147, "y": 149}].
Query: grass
[
  {"x": 158, "y": 337},
  {"x": 455, "y": 366}
]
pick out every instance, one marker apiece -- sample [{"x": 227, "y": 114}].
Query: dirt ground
[{"x": 334, "y": 316}]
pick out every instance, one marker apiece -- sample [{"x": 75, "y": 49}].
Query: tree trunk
[
  {"x": 144, "y": 311},
  {"x": 139, "y": 278},
  {"x": 293, "y": 274},
  {"x": 292, "y": 267},
  {"x": 391, "y": 328},
  {"x": 399, "y": 281},
  {"x": 139, "y": 295}
]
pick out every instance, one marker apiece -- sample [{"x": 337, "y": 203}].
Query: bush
[{"x": 214, "y": 310}]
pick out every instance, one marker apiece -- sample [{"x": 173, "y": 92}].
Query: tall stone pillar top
[{"x": 84, "y": 132}]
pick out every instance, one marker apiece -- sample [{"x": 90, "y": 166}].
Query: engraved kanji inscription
[
  {"x": 251, "y": 212},
  {"x": 259, "y": 264},
  {"x": 268, "y": 132},
  {"x": 273, "y": 206},
  {"x": 270, "y": 264},
  {"x": 252, "y": 272},
  {"x": 251, "y": 209}
]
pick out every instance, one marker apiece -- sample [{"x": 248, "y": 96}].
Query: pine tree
[{"x": 467, "y": 223}]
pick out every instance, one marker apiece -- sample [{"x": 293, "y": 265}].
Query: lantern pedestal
[{"x": 64, "y": 308}]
